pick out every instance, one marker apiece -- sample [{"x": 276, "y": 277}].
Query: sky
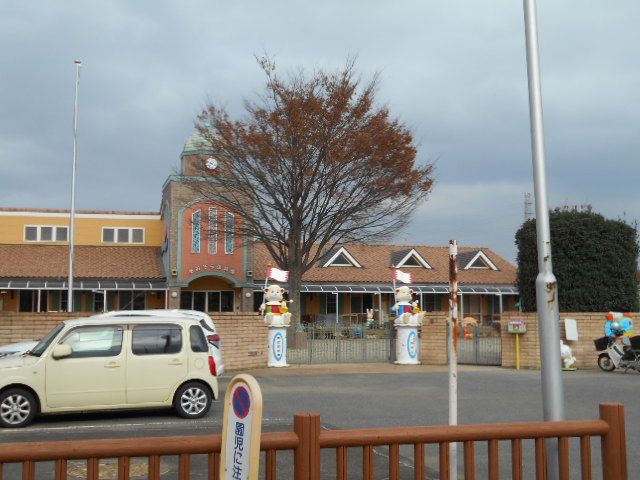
[{"x": 454, "y": 72}]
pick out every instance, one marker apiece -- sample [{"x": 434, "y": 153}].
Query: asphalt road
[{"x": 383, "y": 399}]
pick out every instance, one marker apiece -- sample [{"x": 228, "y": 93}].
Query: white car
[
  {"x": 111, "y": 363},
  {"x": 205, "y": 321},
  {"x": 17, "y": 348}
]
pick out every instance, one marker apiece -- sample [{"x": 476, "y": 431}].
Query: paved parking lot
[{"x": 375, "y": 395}]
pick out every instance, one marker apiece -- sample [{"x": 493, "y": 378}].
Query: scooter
[{"x": 618, "y": 352}]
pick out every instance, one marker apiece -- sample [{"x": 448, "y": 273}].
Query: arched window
[
  {"x": 196, "y": 222},
  {"x": 213, "y": 230},
  {"x": 229, "y": 233}
]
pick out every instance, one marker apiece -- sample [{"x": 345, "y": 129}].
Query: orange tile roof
[
  {"x": 376, "y": 266},
  {"x": 52, "y": 261}
]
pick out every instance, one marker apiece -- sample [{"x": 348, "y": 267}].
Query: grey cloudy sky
[{"x": 455, "y": 72}]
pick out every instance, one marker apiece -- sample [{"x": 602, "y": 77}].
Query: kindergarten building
[{"x": 175, "y": 259}]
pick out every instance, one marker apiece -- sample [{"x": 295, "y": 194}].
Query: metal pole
[
  {"x": 453, "y": 351},
  {"x": 72, "y": 216},
  {"x": 546, "y": 284}
]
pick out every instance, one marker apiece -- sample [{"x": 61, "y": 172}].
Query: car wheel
[
  {"x": 192, "y": 400},
  {"x": 17, "y": 408},
  {"x": 605, "y": 363}
]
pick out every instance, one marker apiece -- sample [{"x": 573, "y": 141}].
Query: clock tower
[
  {"x": 196, "y": 158},
  {"x": 206, "y": 259}
]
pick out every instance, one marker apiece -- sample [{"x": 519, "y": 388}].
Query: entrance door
[
  {"x": 480, "y": 345},
  {"x": 199, "y": 301},
  {"x": 94, "y": 373},
  {"x": 342, "y": 344}
]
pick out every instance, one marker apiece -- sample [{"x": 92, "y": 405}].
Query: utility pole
[{"x": 546, "y": 283}]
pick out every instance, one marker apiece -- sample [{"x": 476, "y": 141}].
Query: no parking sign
[{"x": 240, "y": 455}]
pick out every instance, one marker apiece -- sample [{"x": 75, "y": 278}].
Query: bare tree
[{"x": 313, "y": 165}]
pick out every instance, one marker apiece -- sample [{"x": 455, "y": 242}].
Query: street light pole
[
  {"x": 546, "y": 283},
  {"x": 72, "y": 215}
]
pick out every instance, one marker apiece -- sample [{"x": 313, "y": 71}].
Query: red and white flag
[
  {"x": 277, "y": 274},
  {"x": 402, "y": 276}
]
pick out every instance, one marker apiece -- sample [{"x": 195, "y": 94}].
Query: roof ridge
[{"x": 66, "y": 210}]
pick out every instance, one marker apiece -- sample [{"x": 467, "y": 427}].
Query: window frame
[
  {"x": 229, "y": 233},
  {"x": 134, "y": 295},
  {"x": 54, "y": 233},
  {"x": 344, "y": 252},
  {"x": 196, "y": 231},
  {"x": 196, "y": 334},
  {"x": 415, "y": 255},
  {"x": 483, "y": 258},
  {"x": 207, "y": 297},
  {"x": 129, "y": 235},
  {"x": 331, "y": 303},
  {"x": 168, "y": 326},
  {"x": 88, "y": 354},
  {"x": 212, "y": 238}
]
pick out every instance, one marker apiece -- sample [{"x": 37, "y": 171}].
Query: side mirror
[{"x": 61, "y": 351}]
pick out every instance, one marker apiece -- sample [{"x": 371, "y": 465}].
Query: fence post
[
  {"x": 307, "y": 454},
  {"x": 614, "y": 443}
]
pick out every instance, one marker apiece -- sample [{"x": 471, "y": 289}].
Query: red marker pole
[{"x": 453, "y": 350}]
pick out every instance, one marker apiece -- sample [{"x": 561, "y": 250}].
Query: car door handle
[
  {"x": 112, "y": 365},
  {"x": 175, "y": 362}
]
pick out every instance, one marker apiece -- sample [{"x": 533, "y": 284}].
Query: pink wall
[{"x": 194, "y": 264}]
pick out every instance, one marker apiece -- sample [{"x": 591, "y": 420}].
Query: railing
[{"x": 307, "y": 442}]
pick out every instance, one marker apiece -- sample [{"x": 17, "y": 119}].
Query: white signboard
[
  {"x": 571, "y": 329},
  {"x": 240, "y": 455}
]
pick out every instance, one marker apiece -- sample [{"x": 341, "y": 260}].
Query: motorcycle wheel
[{"x": 605, "y": 363}]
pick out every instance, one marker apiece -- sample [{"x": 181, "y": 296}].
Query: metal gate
[
  {"x": 480, "y": 345},
  {"x": 341, "y": 344}
]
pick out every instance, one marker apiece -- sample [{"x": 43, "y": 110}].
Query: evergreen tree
[{"x": 594, "y": 261}]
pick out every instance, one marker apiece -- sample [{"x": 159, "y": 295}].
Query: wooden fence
[{"x": 307, "y": 441}]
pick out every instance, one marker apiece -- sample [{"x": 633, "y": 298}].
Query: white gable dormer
[
  {"x": 481, "y": 262},
  {"x": 413, "y": 260},
  {"x": 342, "y": 258}
]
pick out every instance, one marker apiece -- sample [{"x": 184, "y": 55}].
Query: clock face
[{"x": 211, "y": 163}]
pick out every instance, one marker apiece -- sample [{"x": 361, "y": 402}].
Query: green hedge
[{"x": 594, "y": 261}]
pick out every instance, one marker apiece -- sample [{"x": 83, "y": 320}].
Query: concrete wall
[
  {"x": 590, "y": 327},
  {"x": 244, "y": 336}
]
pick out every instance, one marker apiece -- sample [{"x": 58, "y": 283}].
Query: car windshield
[{"x": 46, "y": 341}]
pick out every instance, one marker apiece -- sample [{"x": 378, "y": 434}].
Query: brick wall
[
  {"x": 590, "y": 327},
  {"x": 244, "y": 340},
  {"x": 244, "y": 336},
  {"x": 433, "y": 340},
  {"x": 16, "y": 327}
]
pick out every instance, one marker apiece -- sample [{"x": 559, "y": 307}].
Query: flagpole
[
  {"x": 72, "y": 213},
  {"x": 266, "y": 279},
  {"x": 393, "y": 275}
]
